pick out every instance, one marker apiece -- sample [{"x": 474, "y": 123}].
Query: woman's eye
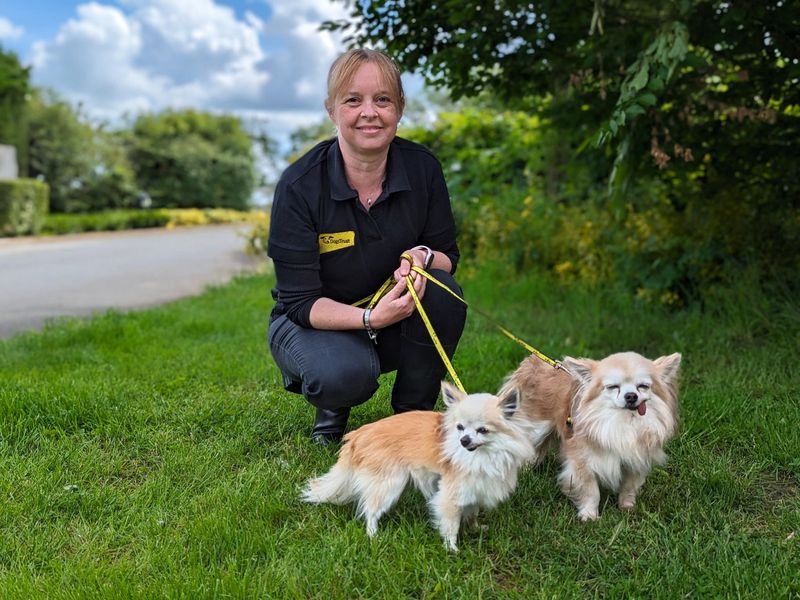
[
  {"x": 460, "y": 427},
  {"x": 482, "y": 430},
  {"x": 351, "y": 101},
  {"x": 383, "y": 101}
]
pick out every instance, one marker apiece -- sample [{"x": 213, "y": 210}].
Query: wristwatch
[
  {"x": 426, "y": 264},
  {"x": 373, "y": 335}
]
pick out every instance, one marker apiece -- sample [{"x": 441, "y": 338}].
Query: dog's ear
[
  {"x": 580, "y": 369},
  {"x": 509, "y": 402},
  {"x": 451, "y": 394},
  {"x": 669, "y": 366}
]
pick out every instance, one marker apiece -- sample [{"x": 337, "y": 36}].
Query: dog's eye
[
  {"x": 482, "y": 430},
  {"x": 613, "y": 387},
  {"x": 460, "y": 427},
  {"x": 643, "y": 386}
]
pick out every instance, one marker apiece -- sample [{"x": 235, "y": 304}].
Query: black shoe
[
  {"x": 325, "y": 439},
  {"x": 329, "y": 426}
]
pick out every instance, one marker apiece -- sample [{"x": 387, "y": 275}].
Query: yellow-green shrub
[{"x": 526, "y": 197}]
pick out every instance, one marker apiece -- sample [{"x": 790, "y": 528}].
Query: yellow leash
[
  {"x": 503, "y": 330},
  {"x": 429, "y": 327},
  {"x": 372, "y": 300}
]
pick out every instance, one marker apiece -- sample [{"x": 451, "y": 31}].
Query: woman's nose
[{"x": 368, "y": 110}]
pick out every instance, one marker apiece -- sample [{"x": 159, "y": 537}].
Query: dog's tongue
[{"x": 642, "y": 408}]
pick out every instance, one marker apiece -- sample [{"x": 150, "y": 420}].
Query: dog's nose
[
  {"x": 466, "y": 441},
  {"x": 631, "y": 398}
]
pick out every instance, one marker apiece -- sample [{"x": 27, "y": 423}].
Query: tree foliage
[
  {"x": 699, "y": 97},
  {"x": 60, "y": 147},
  {"x": 624, "y": 62},
  {"x": 223, "y": 132},
  {"x": 86, "y": 167},
  {"x": 193, "y": 159},
  {"x": 14, "y": 90}
]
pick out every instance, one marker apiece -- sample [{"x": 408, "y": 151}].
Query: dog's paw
[
  {"x": 474, "y": 522},
  {"x": 450, "y": 544},
  {"x": 588, "y": 514},
  {"x": 372, "y": 527},
  {"x": 626, "y": 503}
]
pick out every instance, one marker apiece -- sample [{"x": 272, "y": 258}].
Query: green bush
[
  {"x": 190, "y": 159},
  {"x": 110, "y": 220},
  {"x": 191, "y": 172},
  {"x": 23, "y": 206},
  {"x": 117, "y": 220},
  {"x": 105, "y": 189},
  {"x": 526, "y": 197}
]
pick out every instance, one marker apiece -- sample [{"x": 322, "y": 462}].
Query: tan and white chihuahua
[
  {"x": 461, "y": 460},
  {"x": 612, "y": 418}
]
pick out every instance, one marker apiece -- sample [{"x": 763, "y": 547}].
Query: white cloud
[
  {"x": 147, "y": 55},
  {"x": 9, "y": 31},
  {"x": 152, "y": 54},
  {"x": 91, "y": 60},
  {"x": 301, "y": 62}
]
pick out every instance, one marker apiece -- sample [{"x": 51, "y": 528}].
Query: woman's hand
[
  {"x": 418, "y": 255},
  {"x": 398, "y": 304}
]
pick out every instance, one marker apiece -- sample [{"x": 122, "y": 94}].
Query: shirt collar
[{"x": 396, "y": 176}]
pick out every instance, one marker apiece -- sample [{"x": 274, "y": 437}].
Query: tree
[
  {"x": 193, "y": 159},
  {"x": 672, "y": 71},
  {"x": 700, "y": 95},
  {"x": 60, "y": 147},
  {"x": 14, "y": 91},
  {"x": 224, "y": 132},
  {"x": 85, "y": 165}
]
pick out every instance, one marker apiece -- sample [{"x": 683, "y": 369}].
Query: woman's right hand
[{"x": 396, "y": 305}]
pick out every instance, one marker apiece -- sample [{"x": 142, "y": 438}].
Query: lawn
[{"x": 155, "y": 455}]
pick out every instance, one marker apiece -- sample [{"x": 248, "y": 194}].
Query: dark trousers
[{"x": 340, "y": 369}]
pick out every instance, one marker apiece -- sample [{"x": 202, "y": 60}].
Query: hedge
[{"x": 23, "y": 206}]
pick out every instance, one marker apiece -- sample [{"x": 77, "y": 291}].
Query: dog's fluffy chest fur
[
  {"x": 484, "y": 479},
  {"x": 612, "y": 442}
]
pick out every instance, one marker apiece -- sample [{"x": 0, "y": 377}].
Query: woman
[{"x": 342, "y": 216}]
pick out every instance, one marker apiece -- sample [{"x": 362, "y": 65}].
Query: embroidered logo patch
[{"x": 328, "y": 242}]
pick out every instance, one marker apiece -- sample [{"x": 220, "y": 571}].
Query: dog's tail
[{"x": 337, "y": 486}]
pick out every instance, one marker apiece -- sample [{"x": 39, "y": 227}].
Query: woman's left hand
[{"x": 418, "y": 256}]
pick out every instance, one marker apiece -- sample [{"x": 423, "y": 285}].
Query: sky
[{"x": 263, "y": 60}]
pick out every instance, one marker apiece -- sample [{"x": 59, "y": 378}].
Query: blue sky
[{"x": 264, "y": 60}]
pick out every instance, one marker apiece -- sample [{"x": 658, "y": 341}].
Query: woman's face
[{"x": 365, "y": 113}]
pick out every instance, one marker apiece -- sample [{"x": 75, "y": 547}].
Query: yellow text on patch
[{"x": 328, "y": 242}]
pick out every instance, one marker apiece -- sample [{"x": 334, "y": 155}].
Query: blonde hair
[{"x": 344, "y": 68}]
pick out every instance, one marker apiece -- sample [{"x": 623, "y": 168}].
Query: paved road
[{"x": 77, "y": 275}]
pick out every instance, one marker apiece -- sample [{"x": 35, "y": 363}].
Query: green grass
[{"x": 155, "y": 455}]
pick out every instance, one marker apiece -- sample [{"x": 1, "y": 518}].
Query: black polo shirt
[{"x": 324, "y": 243}]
